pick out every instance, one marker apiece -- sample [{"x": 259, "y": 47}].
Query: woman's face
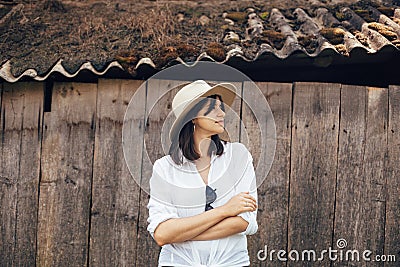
[{"x": 213, "y": 121}]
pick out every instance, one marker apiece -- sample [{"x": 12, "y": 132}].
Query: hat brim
[{"x": 228, "y": 94}]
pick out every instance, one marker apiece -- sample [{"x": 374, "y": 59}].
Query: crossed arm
[
  {"x": 226, "y": 227},
  {"x": 214, "y": 224}
]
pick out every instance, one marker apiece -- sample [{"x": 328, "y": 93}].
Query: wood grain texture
[
  {"x": 65, "y": 187},
  {"x": 11, "y": 122},
  {"x": 29, "y": 173},
  {"x": 313, "y": 167},
  {"x": 115, "y": 201},
  {"x": 392, "y": 225},
  {"x": 373, "y": 217},
  {"x": 21, "y": 116},
  {"x": 273, "y": 191},
  {"x": 350, "y": 176},
  {"x": 360, "y": 197}
]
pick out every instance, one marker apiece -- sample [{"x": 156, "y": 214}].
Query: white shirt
[{"x": 178, "y": 191}]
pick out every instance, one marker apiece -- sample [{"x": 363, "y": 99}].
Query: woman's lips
[{"x": 220, "y": 122}]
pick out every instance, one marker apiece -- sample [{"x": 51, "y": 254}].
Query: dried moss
[
  {"x": 340, "y": 16},
  {"x": 216, "y": 51},
  {"x": 186, "y": 50},
  {"x": 362, "y": 12},
  {"x": 239, "y": 17},
  {"x": 273, "y": 35},
  {"x": 341, "y": 48},
  {"x": 361, "y": 38},
  {"x": 365, "y": 14},
  {"x": 166, "y": 55},
  {"x": 310, "y": 43},
  {"x": 384, "y": 30},
  {"x": 128, "y": 60},
  {"x": 334, "y": 35},
  {"x": 273, "y": 38},
  {"x": 128, "y": 57}
]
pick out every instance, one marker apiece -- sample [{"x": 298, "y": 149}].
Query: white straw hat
[{"x": 190, "y": 94}]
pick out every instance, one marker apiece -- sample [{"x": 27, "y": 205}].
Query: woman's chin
[{"x": 221, "y": 131}]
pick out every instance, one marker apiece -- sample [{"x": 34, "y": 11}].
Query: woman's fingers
[
  {"x": 250, "y": 203},
  {"x": 242, "y": 202},
  {"x": 249, "y": 198},
  {"x": 250, "y": 206}
]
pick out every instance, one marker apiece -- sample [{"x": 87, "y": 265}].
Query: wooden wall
[{"x": 68, "y": 199}]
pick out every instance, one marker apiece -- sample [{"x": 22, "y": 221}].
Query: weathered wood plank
[
  {"x": 313, "y": 167},
  {"x": 373, "y": 217},
  {"x": 350, "y": 175},
  {"x": 360, "y": 197},
  {"x": 29, "y": 173},
  {"x": 392, "y": 228},
  {"x": 273, "y": 192},
  {"x": 21, "y": 114},
  {"x": 157, "y": 110},
  {"x": 11, "y": 122},
  {"x": 114, "y": 191},
  {"x": 65, "y": 187}
]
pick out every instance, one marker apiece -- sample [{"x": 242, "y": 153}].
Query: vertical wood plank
[
  {"x": 273, "y": 192},
  {"x": 29, "y": 172},
  {"x": 373, "y": 212},
  {"x": 65, "y": 187},
  {"x": 360, "y": 196},
  {"x": 392, "y": 228},
  {"x": 12, "y": 120},
  {"x": 350, "y": 176},
  {"x": 313, "y": 167},
  {"x": 21, "y": 114},
  {"x": 114, "y": 191}
]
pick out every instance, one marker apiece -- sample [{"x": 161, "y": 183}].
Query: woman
[{"x": 203, "y": 199}]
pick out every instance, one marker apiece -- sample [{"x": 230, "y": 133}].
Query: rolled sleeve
[
  {"x": 158, "y": 211},
  {"x": 248, "y": 183},
  {"x": 250, "y": 217}
]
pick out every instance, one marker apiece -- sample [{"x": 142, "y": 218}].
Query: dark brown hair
[{"x": 185, "y": 140}]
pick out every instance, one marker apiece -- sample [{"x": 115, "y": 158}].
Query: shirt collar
[{"x": 185, "y": 160}]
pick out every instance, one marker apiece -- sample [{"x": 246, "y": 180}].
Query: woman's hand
[{"x": 240, "y": 203}]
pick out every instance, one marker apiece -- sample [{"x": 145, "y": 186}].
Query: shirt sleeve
[
  {"x": 248, "y": 183},
  {"x": 159, "y": 211}
]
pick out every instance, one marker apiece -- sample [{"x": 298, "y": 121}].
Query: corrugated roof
[{"x": 248, "y": 34}]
